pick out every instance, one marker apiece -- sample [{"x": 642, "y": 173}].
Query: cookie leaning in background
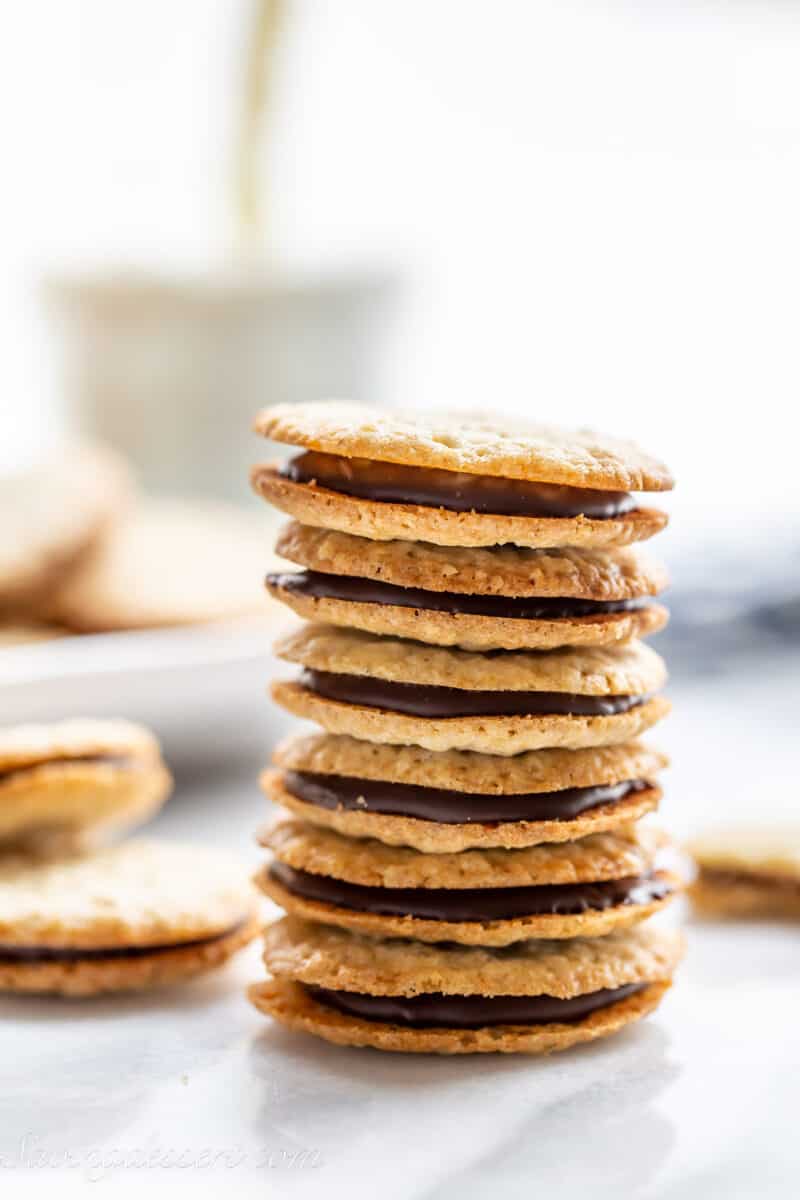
[
  {"x": 396, "y": 691},
  {"x": 532, "y": 997},
  {"x": 73, "y": 781},
  {"x": 443, "y": 802},
  {"x": 457, "y": 479},
  {"x": 136, "y": 916},
  {"x": 477, "y": 897},
  {"x": 170, "y": 562},
  {"x": 747, "y": 873},
  {"x": 502, "y": 597},
  {"x": 53, "y": 514}
]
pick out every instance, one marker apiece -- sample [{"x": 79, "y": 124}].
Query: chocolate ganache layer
[
  {"x": 470, "y": 1012},
  {"x": 431, "y": 487},
  {"x": 423, "y": 700},
  {"x": 450, "y": 807},
  {"x": 473, "y": 904},
  {"x": 46, "y": 954},
  {"x": 316, "y": 584}
]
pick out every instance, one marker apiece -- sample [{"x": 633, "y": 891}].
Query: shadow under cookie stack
[{"x": 462, "y": 859}]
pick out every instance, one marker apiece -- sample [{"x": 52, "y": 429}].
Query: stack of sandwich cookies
[{"x": 461, "y": 863}]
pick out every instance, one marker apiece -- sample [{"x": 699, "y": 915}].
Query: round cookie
[
  {"x": 65, "y": 784},
  {"x": 748, "y": 872},
  {"x": 400, "y": 691},
  {"x": 53, "y": 514},
  {"x": 467, "y": 442},
  {"x": 339, "y": 985},
  {"x": 138, "y": 915},
  {"x": 446, "y": 802},
  {"x": 170, "y": 562},
  {"x": 479, "y": 897},
  {"x": 503, "y": 597},
  {"x": 384, "y": 521}
]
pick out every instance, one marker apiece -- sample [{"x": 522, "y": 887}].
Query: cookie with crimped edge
[
  {"x": 400, "y": 691},
  {"x": 71, "y": 782},
  {"x": 435, "y": 594},
  {"x": 470, "y": 442},
  {"x": 323, "y": 977},
  {"x": 313, "y": 504},
  {"x": 53, "y": 514},
  {"x": 141, "y": 914},
  {"x": 747, "y": 872},
  {"x": 479, "y": 897},
  {"x": 436, "y": 837}
]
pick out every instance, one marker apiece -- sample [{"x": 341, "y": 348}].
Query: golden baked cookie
[
  {"x": 72, "y": 782},
  {"x": 747, "y": 872},
  {"x": 138, "y": 915}
]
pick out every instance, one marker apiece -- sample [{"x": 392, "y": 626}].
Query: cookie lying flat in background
[
  {"x": 140, "y": 915},
  {"x": 170, "y": 562},
  {"x": 52, "y": 516},
  {"x": 399, "y": 691},
  {"x": 457, "y": 479},
  {"x": 584, "y": 888},
  {"x": 499, "y": 597},
  {"x": 447, "y": 801},
  {"x": 71, "y": 782},
  {"x": 533, "y": 997},
  {"x": 747, "y": 873}
]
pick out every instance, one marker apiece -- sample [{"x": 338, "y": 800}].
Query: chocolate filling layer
[
  {"x": 422, "y": 700},
  {"x": 473, "y": 904},
  {"x": 470, "y": 1012},
  {"x": 368, "y": 591},
  {"x": 392, "y": 483},
  {"x": 127, "y": 761},
  {"x": 48, "y": 954},
  {"x": 449, "y": 807}
]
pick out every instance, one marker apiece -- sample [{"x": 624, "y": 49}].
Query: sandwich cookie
[
  {"x": 136, "y": 916},
  {"x": 503, "y": 597},
  {"x": 449, "y": 801},
  {"x": 748, "y": 873},
  {"x": 64, "y": 784},
  {"x": 53, "y": 515},
  {"x": 457, "y": 479},
  {"x": 505, "y": 702},
  {"x": 533, "y": 997},
  {"x": 478, "y": 897}
]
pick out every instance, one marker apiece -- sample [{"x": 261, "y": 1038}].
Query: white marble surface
[{"x": 700, "y": 1100}]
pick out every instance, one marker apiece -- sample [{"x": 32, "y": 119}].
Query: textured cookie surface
[
  {"x": 629, "y": 669},
  {"x": 294, "y": 1007},
  {"x": 319, "y": 506},
  {"x": 140, "y": 893},
  {"x": 168, "y": 563},
  {"x": 505, "y": 447},
  {"x": 630, "y": 851},
  {"x": 486, "y": 735},
  {"x": 52, "y": 514},
  {"x": 464, "y": 771},
  {"x": 434, "y": 838},
  {"x": 321, "y": 955},
  {"x": 602, "y": 575}
]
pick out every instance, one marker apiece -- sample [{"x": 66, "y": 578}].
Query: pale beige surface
[
  {"x": 470, "y": 632},
  {"x": 604, "y": 575},
  {"x": 335, "y": 958},
  {"x": 170, "y": 562},
  {"x": 465, "y": 771},
  {"x": 294, "y": 1007},
  {"x": 314, "y": 505},
  {"x": 628, "y": 669},
  {"x": 759, "y": 850},
  {"x": 140, "y": 893},
  {"x": 52, "y": 514},
  {"x": 433, "y": 838},
  {"x": 627, "y": 852},
  {"x": 28, "y": 745},
  {"x": 487, "y": 735},
  {"x": 464, "y": 441}
]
